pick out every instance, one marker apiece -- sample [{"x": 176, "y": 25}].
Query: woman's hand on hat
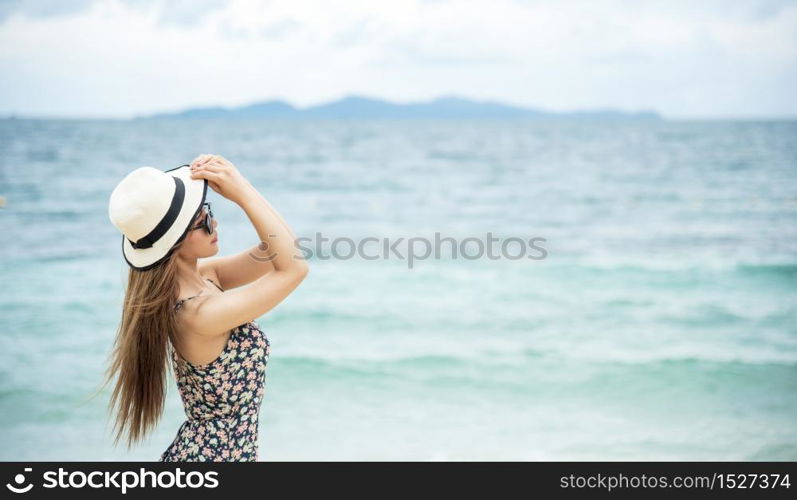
[
  {"x": 222, "y": 176},
  {"x": 201, "y": 159}
]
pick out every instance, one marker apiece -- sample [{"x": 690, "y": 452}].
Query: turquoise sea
[{"x": 662, "y": 325}]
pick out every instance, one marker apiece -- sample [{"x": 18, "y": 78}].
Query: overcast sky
[{"x": 121, "y": 58}]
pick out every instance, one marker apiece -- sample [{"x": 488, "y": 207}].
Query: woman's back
[{"x": 222, "y": 399}]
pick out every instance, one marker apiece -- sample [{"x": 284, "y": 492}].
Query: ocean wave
[
  {"x": 709, "y": 315},
  {"x": 653, "y": 358},
  {"x": 786, "y": 269},
  {"x": 779, "y": 268},
  {"x": 550, "y": 361}
]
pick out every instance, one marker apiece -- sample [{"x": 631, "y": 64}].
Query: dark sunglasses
[{"x": 207, "y": 224}]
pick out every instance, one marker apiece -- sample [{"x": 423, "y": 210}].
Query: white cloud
[{"x": 121, "y": 58}]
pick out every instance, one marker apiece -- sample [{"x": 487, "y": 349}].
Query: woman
[{"x": 193, "y": 313}]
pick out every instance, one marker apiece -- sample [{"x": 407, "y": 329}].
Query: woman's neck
[{"x": 188, "y": 275}]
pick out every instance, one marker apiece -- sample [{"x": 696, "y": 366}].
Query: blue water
[{"x": 661, "y": 326}]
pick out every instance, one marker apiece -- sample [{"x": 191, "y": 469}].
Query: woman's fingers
[
  {"x": 216, "y": 165},
  {"x": 202, "y": 159},
  {"x": 205, "y": 174},
  {"x": 209, "y": 159},
  {"x": 210, "y": 166},
  {"x": 204, "y": 169},
  {"x": 198, "y": 159},
  {"x": 224, "y": 161}
]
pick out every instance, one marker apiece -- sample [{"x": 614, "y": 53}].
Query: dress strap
[
  {"x": 217, "y": 286},
  {"x": 180, "y": 302}
]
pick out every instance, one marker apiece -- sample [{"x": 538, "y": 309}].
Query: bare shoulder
[{"x": 189, "y": 319}]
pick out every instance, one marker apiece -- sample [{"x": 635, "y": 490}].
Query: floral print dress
[{"x": 222, "y": 400}]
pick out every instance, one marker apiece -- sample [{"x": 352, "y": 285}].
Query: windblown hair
[{"x": 140, "y": 355}]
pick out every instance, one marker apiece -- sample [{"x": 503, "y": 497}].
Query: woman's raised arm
[{"x": 217, "y": 314}]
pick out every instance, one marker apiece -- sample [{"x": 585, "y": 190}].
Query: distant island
[{"x": 366, "y": 107}]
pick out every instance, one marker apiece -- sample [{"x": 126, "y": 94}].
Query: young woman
[{"x": 196, "y": 314}]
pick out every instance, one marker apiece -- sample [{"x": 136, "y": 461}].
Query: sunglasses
[{"x": 207, "y": 224}]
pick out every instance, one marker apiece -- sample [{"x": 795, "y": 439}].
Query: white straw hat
[{"x": 153, "y": 210}]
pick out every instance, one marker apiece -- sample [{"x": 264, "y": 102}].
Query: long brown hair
[{"x": 141, "y": 350}]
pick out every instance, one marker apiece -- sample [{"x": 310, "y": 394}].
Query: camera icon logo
[{"x": 19, "y": 479}]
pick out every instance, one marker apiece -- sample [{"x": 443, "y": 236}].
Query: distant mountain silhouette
[{"x": 365, "y": 107}]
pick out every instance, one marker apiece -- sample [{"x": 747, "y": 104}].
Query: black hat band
[{"x": 167, "y": 221}]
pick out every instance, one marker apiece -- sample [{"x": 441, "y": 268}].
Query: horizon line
[
  {"x": 598, "y": 109},
  {"x": 667, "y": 118}
]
